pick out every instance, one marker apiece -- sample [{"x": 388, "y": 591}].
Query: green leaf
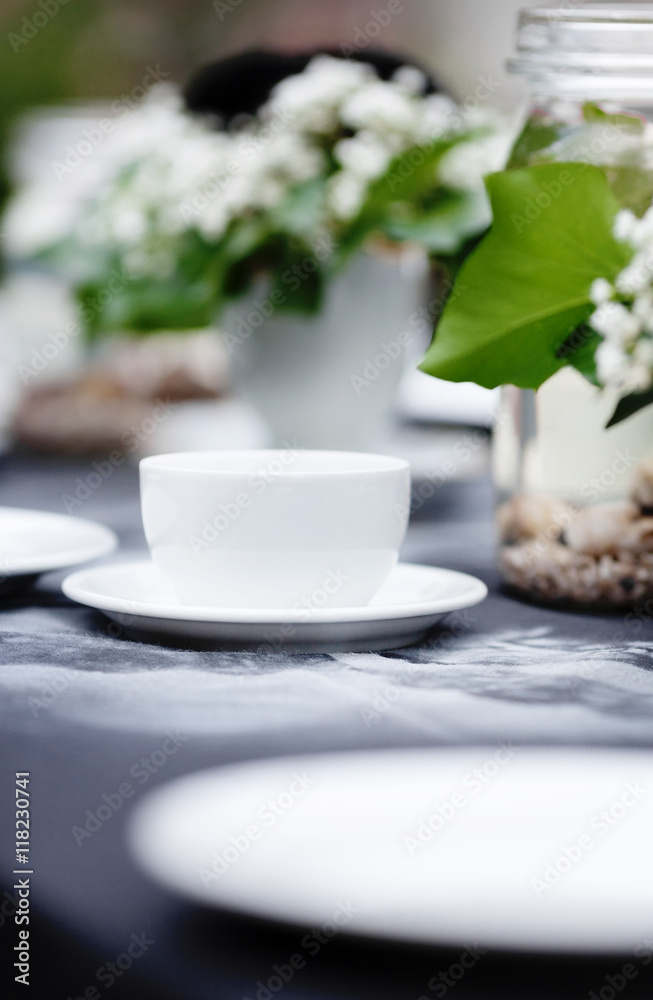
[
  {"x": 410, "y": 180},
  {"x": 539, "y": 133},
  {"x": 244, "y": 238},
  {"x": 446, "y": 227},
  {"x": 297, "y": 278},
  {"x": 595, "y": 115},
  {"x": 526, "y": 287},
  {"x": 300, "y": 210},
  {"x": 147, "y": 307},
  {"x": 80, "y": 263},
  {"x": 304, "y": 297},
  {"x": 630, "y": 405},
  {"x": 414, "y": 173}
]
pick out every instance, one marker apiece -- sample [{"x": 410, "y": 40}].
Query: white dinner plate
[
  {"x": 543, "y": 850},
  {"x": 413, "y": 600},
  {"x": 35, "y": 541}
]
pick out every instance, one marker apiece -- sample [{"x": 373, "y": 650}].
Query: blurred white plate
[
  {"x": 35, "y": 541},
  {"x": 544, "y": 850},
  {"x": 413, "y": 600}
]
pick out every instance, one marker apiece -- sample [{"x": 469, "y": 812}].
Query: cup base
[{"x": 293, "y": 580}]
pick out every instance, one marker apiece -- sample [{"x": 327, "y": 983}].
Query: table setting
[{"x": 325, "y": 652}]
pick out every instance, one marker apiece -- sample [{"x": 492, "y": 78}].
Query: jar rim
[
  {"x": 604, "y": 46},
  {"x": 628, "y": 13}
]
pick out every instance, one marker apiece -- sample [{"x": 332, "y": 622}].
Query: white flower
[
  {"x": 637, "y": 276},
  {"x": 364, "y": 155},
  {"x": 616, "y": 323},
  {"x": 624, "y": 226},
  {"x": 212, "y": 219},
  {"x": 288, "y": 154},
  {"x": 438, "y": 117},
  {"x": 636, "y": 377},
  {"x": 643, "y": 310},
  {"x": 601, "y": 291},
  {"x": 610, "y": 363},
  {"x": 625, "y": 357},
  {"x": 643, "y": 353},
  {"x": 128, "y": 223},
  {"x": 311, "y": 99},
  {"x": 269, "y": 193},
  {"x": 642, "y": 236},
  {"x": 468, "y": 163},
  {"x": 380, "y": 107},
  {"x": 346, "y": 194},
  {"x": 411, "y": 79}
]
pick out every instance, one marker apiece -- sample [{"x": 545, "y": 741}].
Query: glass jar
[
  {"x": 573, "y": 53},
  {"x": 575, "y": 513}
]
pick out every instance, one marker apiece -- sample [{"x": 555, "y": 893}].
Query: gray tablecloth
[
  {"x": 501, "y": 669},
  {"x": 79, "y": 708}
]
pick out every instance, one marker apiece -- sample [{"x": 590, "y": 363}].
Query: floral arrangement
[
  {"x": 565, "y": 274},
  {"x": 624, "y": 314},
  {"x": 194, "y": 208}
]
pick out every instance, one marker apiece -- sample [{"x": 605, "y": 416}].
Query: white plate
[
  {"x": 413, "y": 600},
  {"x": 302, "y": 839},
  {"x": 35, "y": 541}
]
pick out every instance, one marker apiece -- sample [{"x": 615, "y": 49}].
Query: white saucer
[
  {"x": 35, "y": 541},
  {"x": 413, "y": 600},
  {"x": 323, "y": 839}
]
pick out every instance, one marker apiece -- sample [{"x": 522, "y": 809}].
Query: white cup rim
[{"x": 248, "y": 462}]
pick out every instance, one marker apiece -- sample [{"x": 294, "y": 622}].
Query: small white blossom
[
  {"x": 643, "y": 353},
  {"x": 624, "y": 227},
  {"x": 616, "y": 323},
  {"x": 466, "y": 164},
  {"x": 312, "y": 98},
  {"x": 291, "y": 155},
  {"x": 643, "y": 310},
  {"x": 364, "y": 155},
  {"x": 610, "y": 363},
  {"x": 637, "y": 276},
  {"x": 624, "y": 359},
  {"x": 439, "y": 117},
  {"x": 380, "y": 107},
  {"x": 411, "y": 79},
  {"x": 601, "y": 291},
  {"x": 346, "y": 195},
  {"x": 642, "y": 233},
  {"x": 637, "y": 377}
]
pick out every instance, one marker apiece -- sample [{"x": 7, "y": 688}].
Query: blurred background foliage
[
  {"x": 97, "y": 49},
  {"x": 79, "y": 53}
]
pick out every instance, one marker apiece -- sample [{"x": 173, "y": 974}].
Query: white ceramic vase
[{"x": 329, "y": 381}]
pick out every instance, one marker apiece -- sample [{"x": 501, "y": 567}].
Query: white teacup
[{"x": 271, "y": 529}]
